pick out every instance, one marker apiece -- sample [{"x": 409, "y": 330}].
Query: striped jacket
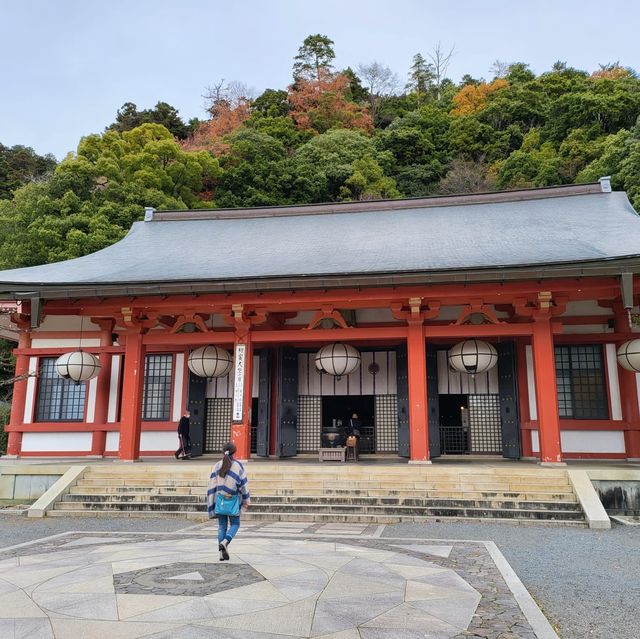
[{"x": 234, "y": 482}]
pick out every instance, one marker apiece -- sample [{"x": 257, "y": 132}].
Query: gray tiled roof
[{"x": 418, "y": 238}]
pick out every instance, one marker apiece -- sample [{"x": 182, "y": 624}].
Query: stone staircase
[{"x": 376, "y": 493}]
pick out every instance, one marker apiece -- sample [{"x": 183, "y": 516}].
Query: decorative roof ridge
[{"x": 332, "y": 208}]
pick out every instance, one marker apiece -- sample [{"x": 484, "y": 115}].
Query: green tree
[
  {"x": 619, "y": 158},
  {"x": 421, "y": 77},
  {"x": 325, "y": 163},
  {"x": 355, "y": 91},
  {"x": 20, "y": 165},
  {"x": 271, "y": 103},
  {"x": 315, "y": 56},
  {"x": 129, "y": 117},
  {"x": 257, "y": 171},
  {"x": 419, "y": 148},
  {"x": 93, "y": 197},
  {"x": 368, "y": 182}
]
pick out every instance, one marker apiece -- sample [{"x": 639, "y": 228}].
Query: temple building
[{"x": 486, "y": 324}]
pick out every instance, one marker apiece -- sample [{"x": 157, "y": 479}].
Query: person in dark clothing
[
  {"x": 183, "y": 436},
  {"x": 354, "y": 427}
]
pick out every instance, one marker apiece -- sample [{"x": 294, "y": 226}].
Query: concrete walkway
[{"x": 334, "y": 581}]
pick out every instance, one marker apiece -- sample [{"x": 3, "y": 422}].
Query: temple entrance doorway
[
  {"x": 454, "y": 424},
  {"x": 470, "y": 424},
  {"x": 336, "y": 412}
]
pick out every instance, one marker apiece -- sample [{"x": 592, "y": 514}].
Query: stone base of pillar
[
  {"x": 552, "y": 464},
  {"x": 10, "y": 456},
  {"x": 419, "y": 461},
  {"x": 130, "y": 461},
  {"x": 634, "y": 460}
]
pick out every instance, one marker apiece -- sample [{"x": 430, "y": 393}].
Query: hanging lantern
[
  {"x": 209, "y": 361},
  {"x": 337, "y": 359},
  {"x": 472, "y": 356},
  {"x": 77, "y": 366},
  {"x": 629, "y": 355}
]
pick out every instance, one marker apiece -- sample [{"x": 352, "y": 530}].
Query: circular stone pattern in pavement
[
  {"x": 186, "y": 579},
  {"x": 271, "y": 588}
]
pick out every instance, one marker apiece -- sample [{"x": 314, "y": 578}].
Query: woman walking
[{"x": 227, "y": 496}]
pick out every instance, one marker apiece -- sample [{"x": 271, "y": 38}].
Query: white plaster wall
[
  {"x": 114, "y": 385},
  {"x": 56, "y": 442},
  {"x": 360, "y": 382},
  {"x": 66, "y": 323},
  {"x": 220, "y": 387},
  {"x": 451, "y": 382},
  {"x": 586, "y": 307},
  {"x": 156, "y": 440},
  {"x": 91, "y": 400},
  {"x": 303, "y": 317},
  {"x": 531, "y": 383},
  {"x": 585, "y": 329},
  {"x": 178, "y": 387},
  {"x": 370, "y": 315},
  {"x": 72, "y": 343},
  {"x": 586, "y": 441},
  {"x": 31, "y": 390},
  {"x": 614, "y": 383},
  {"x": 113, "y": 441}
]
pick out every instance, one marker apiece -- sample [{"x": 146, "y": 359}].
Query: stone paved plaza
[{"x": 283, "y": 580}]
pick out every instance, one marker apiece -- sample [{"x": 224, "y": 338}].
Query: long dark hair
[{"x": 227, "y": 459}]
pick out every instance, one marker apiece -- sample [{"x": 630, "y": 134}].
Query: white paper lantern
[
  {"x": 337, "y": 359},
  {"x": 472, "y": 356},
  {"x": 209, "y": 361},
  {"x": 77, "y": 366},
  {"x": 629, "y": 355}
]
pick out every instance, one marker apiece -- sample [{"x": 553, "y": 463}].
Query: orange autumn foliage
[
  {"x": 320, "y": 104},
  {"x": 473, "y": 98},
  {"x": 611, "y": 73},
  {"x": 209, "y": 135}
]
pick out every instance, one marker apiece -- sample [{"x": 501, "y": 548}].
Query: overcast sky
[{"x": 67, "y": 65}]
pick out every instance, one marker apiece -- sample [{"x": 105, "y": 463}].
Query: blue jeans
[{"x": 227, "y": 527}]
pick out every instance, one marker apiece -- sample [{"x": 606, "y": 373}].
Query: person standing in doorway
[
  {"x": 354, "y": 429},
  {"x": 227, "y": 497},
  {"x": 183, "y": 436}
]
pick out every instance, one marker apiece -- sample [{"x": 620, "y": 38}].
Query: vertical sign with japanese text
[{"x": 238, "y": 381}]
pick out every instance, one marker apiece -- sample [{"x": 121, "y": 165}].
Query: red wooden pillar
[
  {"x": 132, "y": 385},
  {"x": 628, "y": 392},
  {"x": 14, "y": 443},
  {"x": 242, "y": 394},
  {"x": 546, "y": 391},
  {"x": 417, "y": 374},
  {"x": 103, "y": 387}
]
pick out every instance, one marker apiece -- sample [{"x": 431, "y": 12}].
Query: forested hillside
[{"x": 331, "y": 135}]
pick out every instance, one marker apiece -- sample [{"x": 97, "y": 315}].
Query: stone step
[
  {"x": 282, "y": 469},
  {"x": 444, "y": 494},
  {"x": 300, "y": 502},
  {"x": 335, "y": 509},
  {"x": 313, "y": 518},
  {"x": 332, "y": 485},
  {"x": 319, "y": 475}
]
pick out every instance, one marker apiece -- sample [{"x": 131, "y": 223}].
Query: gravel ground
[
  {"x": 586, "y": 581},
  {"x": 17, "y": 530}
]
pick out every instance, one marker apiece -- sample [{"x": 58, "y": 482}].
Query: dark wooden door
[
  {"x": 508, "y": 389},
  {"x": 402, "y": 371},
  {"x": 287, "y": 431},
  {"x": 264, "y": 404},
  {"x": 433, "y": 403},
  {"x": 197, "y": 405}
]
